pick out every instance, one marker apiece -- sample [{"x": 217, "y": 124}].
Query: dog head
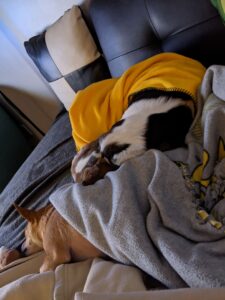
[
  {"x": 89, "y": 165},
  {"x": 33, "y": 237},
  {"x": 160, "y": 123}
]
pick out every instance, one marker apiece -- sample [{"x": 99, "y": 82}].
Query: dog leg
[
  {"x": 50, "y": 265},
  {"x": 47, "y": 265},
  {"x": 55, "y": 258}
]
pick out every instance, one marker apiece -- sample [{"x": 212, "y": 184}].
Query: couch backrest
[{"x": 132, "y": 30}]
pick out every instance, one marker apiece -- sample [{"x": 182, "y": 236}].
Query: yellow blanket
[{"x": 100, "y": 105}]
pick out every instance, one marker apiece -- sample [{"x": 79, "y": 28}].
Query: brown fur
[
  {"x": 47, "y": 230},
  {"x": 7, "y": 256}
]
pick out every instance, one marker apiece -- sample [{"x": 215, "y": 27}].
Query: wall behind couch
[{"x": 19, "y": 79}]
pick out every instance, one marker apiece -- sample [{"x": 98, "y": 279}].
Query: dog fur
[
  {"x": 46, "y": 229},
  {"x": 153, "y": 120},
  {"x": 160, "y": 123},
  {"x": 7, "y": 256}
]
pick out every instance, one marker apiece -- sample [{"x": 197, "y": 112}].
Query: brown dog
[
  {"x": 89, "y": 165},
  {"x": 46, "y": 229}
]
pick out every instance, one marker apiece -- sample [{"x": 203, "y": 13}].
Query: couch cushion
[
  {"x": 67, "y": 56},
  {"x": 131, "y": 31}
]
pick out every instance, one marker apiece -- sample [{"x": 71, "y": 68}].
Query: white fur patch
[
  {"x": 149, "y": 107},
  {"x": 83, "y": 161}
]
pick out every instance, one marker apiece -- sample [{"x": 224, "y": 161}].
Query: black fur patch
[
  {"x": 112, "y": 149},
  {"x": 154, "y": 94},
  {"x": 92, "y": 161},
  {"x": 166, "y": 131}
]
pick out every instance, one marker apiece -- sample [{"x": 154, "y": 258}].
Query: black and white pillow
[{"x": 67, "y": 56}]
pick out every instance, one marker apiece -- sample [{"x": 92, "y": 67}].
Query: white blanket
[{"x": 88, "y": 280}]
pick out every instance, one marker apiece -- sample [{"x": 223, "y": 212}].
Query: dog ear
[{"x": 27, "y": 214}]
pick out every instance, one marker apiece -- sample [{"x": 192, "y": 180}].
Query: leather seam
[
  {"x": 150, "y": 20},
  {"x": 190, "y": 27},
  {"x": 125, "y": 53},
  {"x": 173, "y": 35}
]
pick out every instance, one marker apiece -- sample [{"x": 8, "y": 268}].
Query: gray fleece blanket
[{"x": 164, "y": 212}]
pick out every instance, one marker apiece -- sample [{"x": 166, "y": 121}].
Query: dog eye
[{"x": 112, "y": 149}]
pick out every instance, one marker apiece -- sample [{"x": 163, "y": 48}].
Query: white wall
[{"x": 19, "y": 78}]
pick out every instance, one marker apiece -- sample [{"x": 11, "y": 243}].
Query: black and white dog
[{"x": 153, "y": 120}]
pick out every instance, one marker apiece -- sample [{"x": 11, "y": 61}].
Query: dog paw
[
  {"x": 7, "y": 256},
  {"x": 48, "y": 264}
]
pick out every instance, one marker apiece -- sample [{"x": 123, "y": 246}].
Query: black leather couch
[{"x": 132, "y": 30}]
